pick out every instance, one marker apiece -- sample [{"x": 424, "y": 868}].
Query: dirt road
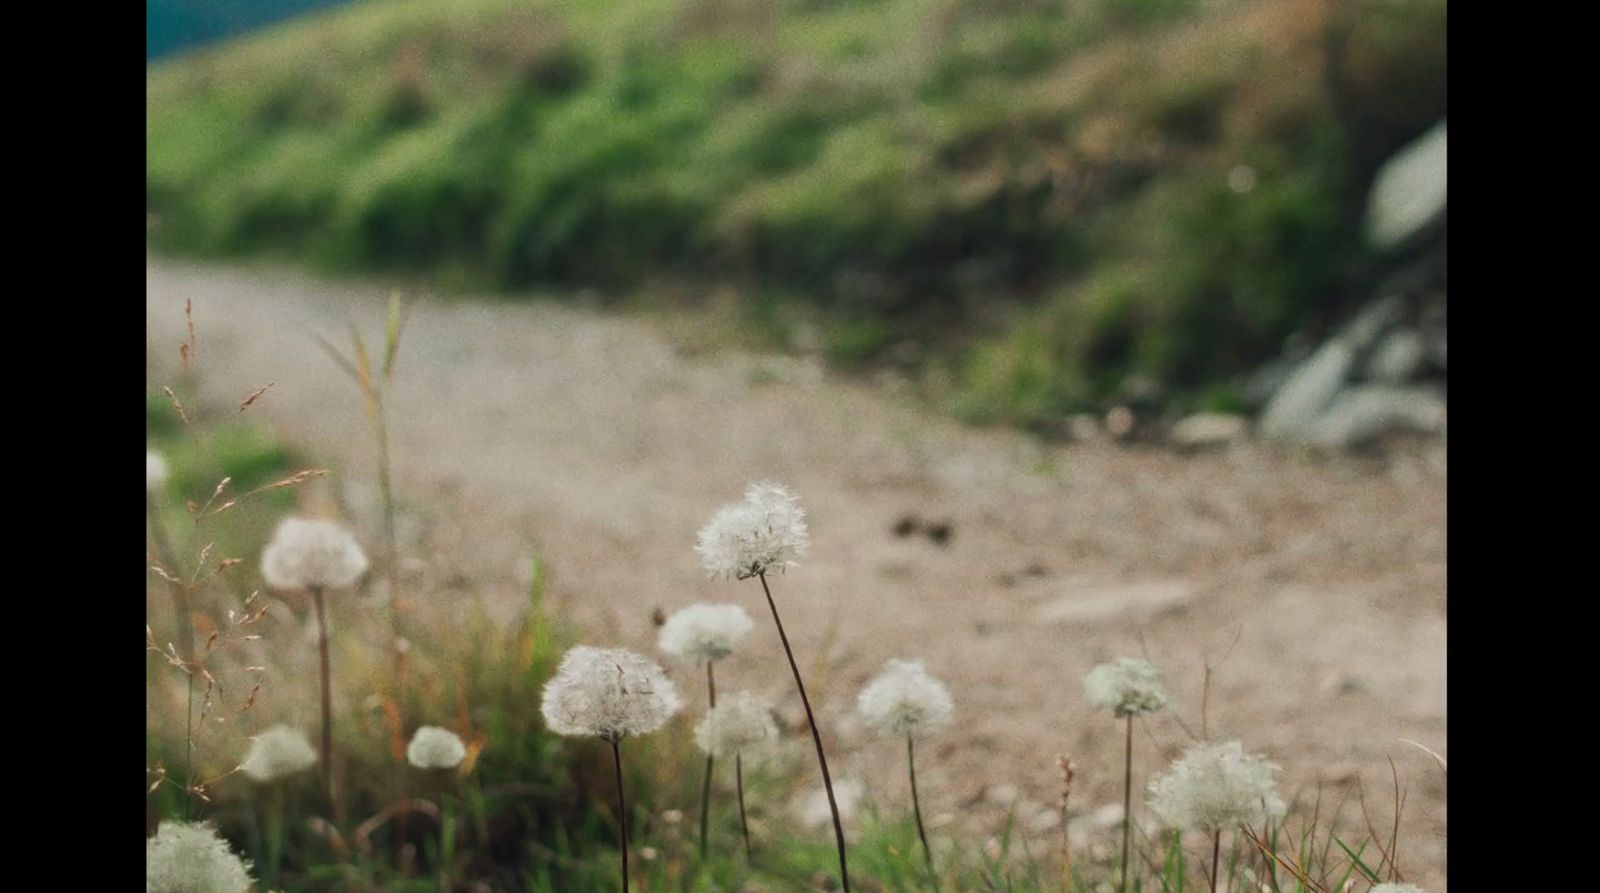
[{"x": 1315, "y": 585}]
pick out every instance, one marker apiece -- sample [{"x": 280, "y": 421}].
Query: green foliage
[{"x": 953, "y": 172}]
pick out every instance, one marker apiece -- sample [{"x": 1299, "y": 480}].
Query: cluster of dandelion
[{"x": 613, "y": 694}]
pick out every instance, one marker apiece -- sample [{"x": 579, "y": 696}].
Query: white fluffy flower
[
  {"x": 155, "y": 471},
  {"x": 767, "y": 531},
  {"x": 1214, "y": 786},
  {"x": 740, "y": 724},
  {"x": 609, "y": 693},
  {"x": 435, "y": 748},
  {"x": 704, "y": 632},
  {"x": 306, "y": 552},
  {"x": 190, "y": 857},
  {"x": 1397, "y": 888},
  {"x": 279, "y": 752},
  {"x": 1126, "y": 686},
  {"x": 904, "y": 699}
]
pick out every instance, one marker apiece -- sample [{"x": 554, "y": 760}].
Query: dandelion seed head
[
  {"x": 1126, "y": 686},
  {"x": 609, "y": 693},
  {"x": 905, "y": 699},
  {"x": 434, "y": 748},
  {"x": 704, "y": 632},
  {"x": 309, "y": 552},
  {"x": 741, "y": 724},
  {"x": 767, "y": 531},
  {"x": 155, "y": 471},
  {"x": 1214, "y": 786},
  {"x": 277, "y": 753},
  {"x": 190, "y": 857}
]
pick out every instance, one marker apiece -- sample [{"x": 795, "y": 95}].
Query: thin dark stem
[
  {"x": 188, "y": 754},
  {"x": 327, "y": 692},
  {"x": 738, "y": 780},
  {"x": 916, "y": 809},
  {"x": 622, "y": 811},
  {"x": 705, "y": 789},
  {"x": 1216, "y": 856},
  {"x": 816, "y": 736},
  {"x": 1127, "y": 801}
]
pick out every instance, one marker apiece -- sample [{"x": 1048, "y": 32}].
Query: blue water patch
[{"x": 174, "y": 25}]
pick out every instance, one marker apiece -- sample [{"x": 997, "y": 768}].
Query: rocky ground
[{"x": 1312, "y": 583}]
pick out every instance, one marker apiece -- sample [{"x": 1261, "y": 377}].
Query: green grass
[{"x": 943, "y": 171}]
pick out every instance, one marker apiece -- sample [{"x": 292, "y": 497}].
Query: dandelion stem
[
  {"x": 622, "y": 810},
  {"x": 1127, "y": 800},
  {"x": 1216, "y": 856},
  {"x": 738, "y": 780},
  {"x": 816, "y": 735},
  {"x": 327, "y": 692},
  {"x": 705, "y": 790},
  {"x": 916, "y": 809}
]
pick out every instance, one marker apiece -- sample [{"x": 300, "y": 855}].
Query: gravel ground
[{"x": 1314, "y": 586}]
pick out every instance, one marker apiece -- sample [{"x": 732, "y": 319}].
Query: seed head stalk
[
  {"x": 327, "y": 693},
  {"x": 816, "y": 735},
  {"x": 705, "y": 790},
  {"x": 1127, "y": 800},
  {"x": 916, "y": 809},
  {"x": 1216, "y": 854},
  {"x": 622, "y": 809},
  {"x": 738, "y": 780}
]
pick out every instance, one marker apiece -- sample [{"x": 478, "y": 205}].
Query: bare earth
[{"x": 1314, "y": 585}]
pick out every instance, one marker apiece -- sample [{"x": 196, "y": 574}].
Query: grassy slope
[{"x": 1043, "y": 197}]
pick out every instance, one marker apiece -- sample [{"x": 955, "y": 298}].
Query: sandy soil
[{"x": 1315, "y": 586}]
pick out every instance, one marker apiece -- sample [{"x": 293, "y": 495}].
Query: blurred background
[{"x": 1030, "y": 208}]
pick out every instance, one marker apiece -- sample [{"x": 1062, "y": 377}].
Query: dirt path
[{"x": 593, "y": 438}]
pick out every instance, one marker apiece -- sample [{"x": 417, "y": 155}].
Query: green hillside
[{"x": 1029, "y": 201}]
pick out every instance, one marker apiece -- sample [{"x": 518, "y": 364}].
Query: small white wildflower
[
  {"x": 904, "y": 699},
  {"x": 767, "y": 531},
  {"x": 434, "y": 748},
  {"x": 279, "y": 752},
  {"x": 306, "y": 552},
  {"x": 704, "y": 632},
  {"x": 1126, "y": 686},
  {"x": 740, "y": 724},
  {"x": 1214, "y": 786},
  {"x": 609, "y": 693},
  {"x": 155, "y": 471},
  {"x": 190, "y": 857},
  {"x": 1398, "y": 888}
]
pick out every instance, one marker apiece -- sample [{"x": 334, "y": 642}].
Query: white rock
[
  {"x": 1410, "y": 190},
  {"x": 1398, "y": 357},
  {"x": 1310, "y": 390},
  {"x": 1363, "y": 414}
]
